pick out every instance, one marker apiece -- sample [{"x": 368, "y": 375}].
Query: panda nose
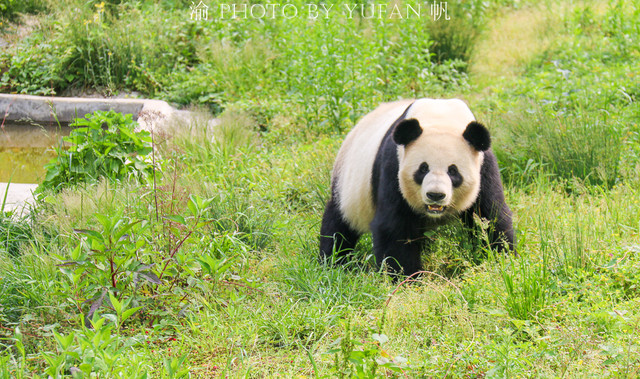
[{"x": 435, "y": 196}]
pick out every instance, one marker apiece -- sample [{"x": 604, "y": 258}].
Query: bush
[
  {"x": 104, "y": 146},
  {"x": 31, "y": 71},
  {"x": 454, "y": 39},
  {"x": 9, "y": 9},
  {"x": 360, "y": 61}
]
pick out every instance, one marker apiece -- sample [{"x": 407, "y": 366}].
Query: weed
[
  {"x": 235, "y": 288},
  {"x": 102, "y": 145},
  {"x": 333, "y": 286},
  {"x": 28, "y": 284},
  {"x": 9, "y": 9},
  {"x": 526, "y": 285},
  {"x": 119, "y": 263},
  {"x": 15, "y": 232},
  {"x": 95, "y": 350},
  {"x": 26, "y": 73},
  {"x": 355, "y": 359}
]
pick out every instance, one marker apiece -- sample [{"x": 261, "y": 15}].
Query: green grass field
[{"x": 209, "y": 267}]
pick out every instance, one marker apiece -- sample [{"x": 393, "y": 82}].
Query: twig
[
  {"x": 25, "y": 333},
  {"x": 175, "y": 250},
  {"x": 242, "y": 285},
  {"x": 155, "y": 188}
]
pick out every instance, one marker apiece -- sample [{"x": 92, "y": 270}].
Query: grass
[
  {"x": 516, "y": 38},
  {"x": 229, "y": 228}
]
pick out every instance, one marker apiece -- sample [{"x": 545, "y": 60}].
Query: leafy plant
[
  {"x": 96, "y": 350},
  {"x": 355, "y": 359},
  {"x": 102, "y": 145},
  {"x": 106, "y": 262},
  {"x": 121, "y": 264},
  {"x": 31, "y": 72}
]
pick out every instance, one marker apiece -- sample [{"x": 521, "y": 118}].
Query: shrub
[
  {"x": 30, "y": 71},
  {"x": 104, "y": 145},
  {"x": 455, "y": 38},
  {"x": 9, "y": 9}
]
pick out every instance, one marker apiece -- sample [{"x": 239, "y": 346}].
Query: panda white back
[{"x": 354, "y": 164}]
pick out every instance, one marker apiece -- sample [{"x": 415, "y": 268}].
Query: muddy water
[{"x": 25, "y": 149}]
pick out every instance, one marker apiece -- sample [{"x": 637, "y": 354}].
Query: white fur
[
  {"x": 440, "y": 145},
  {"x": 442, "y": 150},
  {"x": 354, "y": 165}
]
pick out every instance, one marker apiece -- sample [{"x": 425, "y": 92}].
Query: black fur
[
  {"x": 406, "y": 131},
  {"x": 456, "y": 177},
  {"x": 478, "y": 136},
  {"x": 375, "y": 174},
  {"x": 397, "y": 231},
  {"x": 490, "y": 205},
  {"x": 336, "y": 236},
  {"x": 420, "y": 173}
]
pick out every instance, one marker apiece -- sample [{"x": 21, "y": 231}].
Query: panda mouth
[{"x": 435, "y": 209}]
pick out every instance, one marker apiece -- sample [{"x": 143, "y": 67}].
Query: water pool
[{"x": 25, "y": 148}]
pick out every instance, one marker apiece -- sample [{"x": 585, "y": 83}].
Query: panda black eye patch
[
  {"x": 454, "y": 174},
  {"x": 421, "y": 172}
]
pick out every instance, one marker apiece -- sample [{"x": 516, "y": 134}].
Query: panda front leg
[
  {"x": 337, "y": 238},
  {"x": 398, "y": 242},
  {"x": 491, "y": 205}
]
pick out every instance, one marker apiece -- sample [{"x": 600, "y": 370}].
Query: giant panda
[{"x": 407, "y": 167}]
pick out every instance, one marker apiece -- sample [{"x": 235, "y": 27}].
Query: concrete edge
[
  {"x": 46, "y": 109},
  {"x": 19, "y": 197}
]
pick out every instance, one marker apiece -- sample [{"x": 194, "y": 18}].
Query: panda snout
[{"x": 435, "y": 196}]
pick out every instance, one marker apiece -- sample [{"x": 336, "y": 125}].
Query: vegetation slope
[{"x": 208, "y": 267}]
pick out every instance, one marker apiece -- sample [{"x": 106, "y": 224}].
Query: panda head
[{"x": 439, "y": 167}]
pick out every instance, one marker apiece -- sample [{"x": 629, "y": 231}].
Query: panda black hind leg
[
  {"x": 491, "y": 205},
  {"x": 337, "y": 238}
]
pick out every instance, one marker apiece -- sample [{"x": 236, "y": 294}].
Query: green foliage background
[{"x": 210, "y": 267}]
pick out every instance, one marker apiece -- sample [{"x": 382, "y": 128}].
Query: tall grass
[
  {"x": 360, "y": 61},
  {"x": 515, "y": 40},
  {"x": 28, "y": 285},
  {"x": 13, "y": 233},
  {"x": 583, "y": 146},
  {"x": 245, "y": 294}
]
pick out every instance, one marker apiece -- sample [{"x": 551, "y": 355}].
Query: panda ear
[
  {"x": 407, "y": 131},
  {"x": 478, "y": 136}
]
